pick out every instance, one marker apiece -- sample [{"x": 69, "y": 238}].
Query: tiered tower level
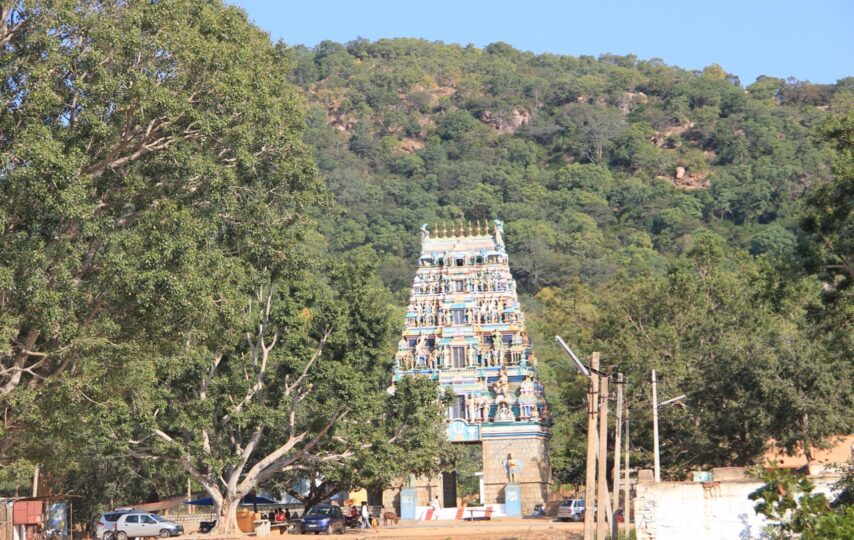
[{"x": 465, "y": 329}]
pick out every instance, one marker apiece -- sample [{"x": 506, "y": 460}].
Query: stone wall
[
  {"x": 707, "y": 511},
  {"x": 533, "y": 470},
  {"x": 426, "y": 488}
]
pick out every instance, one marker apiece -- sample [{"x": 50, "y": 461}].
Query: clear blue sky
[{"x": 808, "y": 39}]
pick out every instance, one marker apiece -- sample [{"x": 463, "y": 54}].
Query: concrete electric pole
[
  {"x": 602, "y": 473},
  {"x": 590, "y": 475},
  {"x": 618, "y": 429},
  {"x": 627, "y": 509},
  {"x": 657, "y": 463}
]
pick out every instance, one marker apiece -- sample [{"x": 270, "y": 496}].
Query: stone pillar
[
  {"x": 512, "y": 500},
  {"x": 408, "y": 502}
]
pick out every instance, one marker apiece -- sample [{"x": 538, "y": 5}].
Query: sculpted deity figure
[
  {"x": 499, "y": 234},
  {"x": 471, "y": 407},
  {"x": 503, "y": 411},
  {"x": 527, "y": 386},
  {"x": 512, "y": 468},
  {"x": 425, "y": 232},
  {"x": 500, "y": 386},
  {"x": 446, "y": 357},
  {"x": 408, "y": 360},
  {"x": 421, "y": 346},
  {"x": 472, "y": 356}
]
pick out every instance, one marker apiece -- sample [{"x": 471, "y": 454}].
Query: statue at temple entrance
[{"x": 512, "y": 468}]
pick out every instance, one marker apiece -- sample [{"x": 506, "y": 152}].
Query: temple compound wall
[{"x": 465, "y": 329}]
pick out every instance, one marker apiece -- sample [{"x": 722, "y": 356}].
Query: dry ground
[{"x": 496, "y": 529}]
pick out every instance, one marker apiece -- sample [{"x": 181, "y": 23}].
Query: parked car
[
  {"x": 106, "y": 524},
  {"x": 571, "y": 510},
  {"x": 321, "y": 518},
  {"x": 143, "y": 524}
]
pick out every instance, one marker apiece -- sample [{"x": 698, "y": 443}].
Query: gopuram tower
[{"x": 465, "y": 329}]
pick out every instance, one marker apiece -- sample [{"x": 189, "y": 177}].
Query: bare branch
[{"x": 317, "y": 352}]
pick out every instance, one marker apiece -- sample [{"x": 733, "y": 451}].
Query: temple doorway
[
  {"x": 468, "y": 472},
  {"x": 449, "y": 489}
]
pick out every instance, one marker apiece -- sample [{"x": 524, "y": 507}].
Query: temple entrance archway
[
  {"x": 468, "y": 472},
  {"x": 449, "y": 489}
]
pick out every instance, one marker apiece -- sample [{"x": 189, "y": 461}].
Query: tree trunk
[{"x": 226, "y": 511}]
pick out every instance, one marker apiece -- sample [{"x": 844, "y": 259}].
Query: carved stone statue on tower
[{"x": 499, "y": 234}]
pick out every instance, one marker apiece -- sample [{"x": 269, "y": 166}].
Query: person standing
[
  {"x": 437, "y": 507},
  {"x": 366, "y": 516}
]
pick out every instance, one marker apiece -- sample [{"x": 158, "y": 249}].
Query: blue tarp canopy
[{"x": 248, "y": 500}]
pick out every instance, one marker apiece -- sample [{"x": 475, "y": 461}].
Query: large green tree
[
  {"x": 828, "y": 247},
  {"x": 297, "y": 382},
  {"x": 149, "y": 151},
  {"x": 160, "y": 279},
  {"x": 731, "y": 333}
]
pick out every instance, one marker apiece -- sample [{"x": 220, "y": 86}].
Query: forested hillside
[{"x": 652, "y": 213}]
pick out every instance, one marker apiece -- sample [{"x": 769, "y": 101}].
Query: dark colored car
[{"x": 323, "y": 518}]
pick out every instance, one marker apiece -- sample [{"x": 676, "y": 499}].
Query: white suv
[
  {"x": 106, "y": 524},
  {"x": 571, "y": 509},
  {"x": 143, "y": 524}
]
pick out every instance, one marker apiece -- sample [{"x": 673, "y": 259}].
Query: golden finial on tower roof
[
  {"x": 453, "y": 230},
  {"x": 478, "y": 228},
  {"x": 435, "y": 231},
  {"x": 444, "y": 230},
  {"x": 470, "y": 228}
]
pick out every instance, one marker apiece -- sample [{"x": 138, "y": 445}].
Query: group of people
[
  {"x": 363, "y": 514},
  {"x": 279, "y": 515}
]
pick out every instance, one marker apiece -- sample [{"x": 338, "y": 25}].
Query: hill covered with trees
[
  {"x": 194, "y": 221},
  {"x": 653, "y": 213}
]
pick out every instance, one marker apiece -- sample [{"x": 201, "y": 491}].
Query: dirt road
[{"x": 496, "y": 529}]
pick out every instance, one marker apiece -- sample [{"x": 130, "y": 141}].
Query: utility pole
[
  {"x": 590, "y": 475},
  {"x": 627, "y": 509},
  {"x": 602, "y": 473},
  {"x": 618, "y": 429},
  {"x": 655, "y": 429}
]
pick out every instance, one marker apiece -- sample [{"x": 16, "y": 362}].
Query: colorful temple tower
[{"x": 465, "y": 329}]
